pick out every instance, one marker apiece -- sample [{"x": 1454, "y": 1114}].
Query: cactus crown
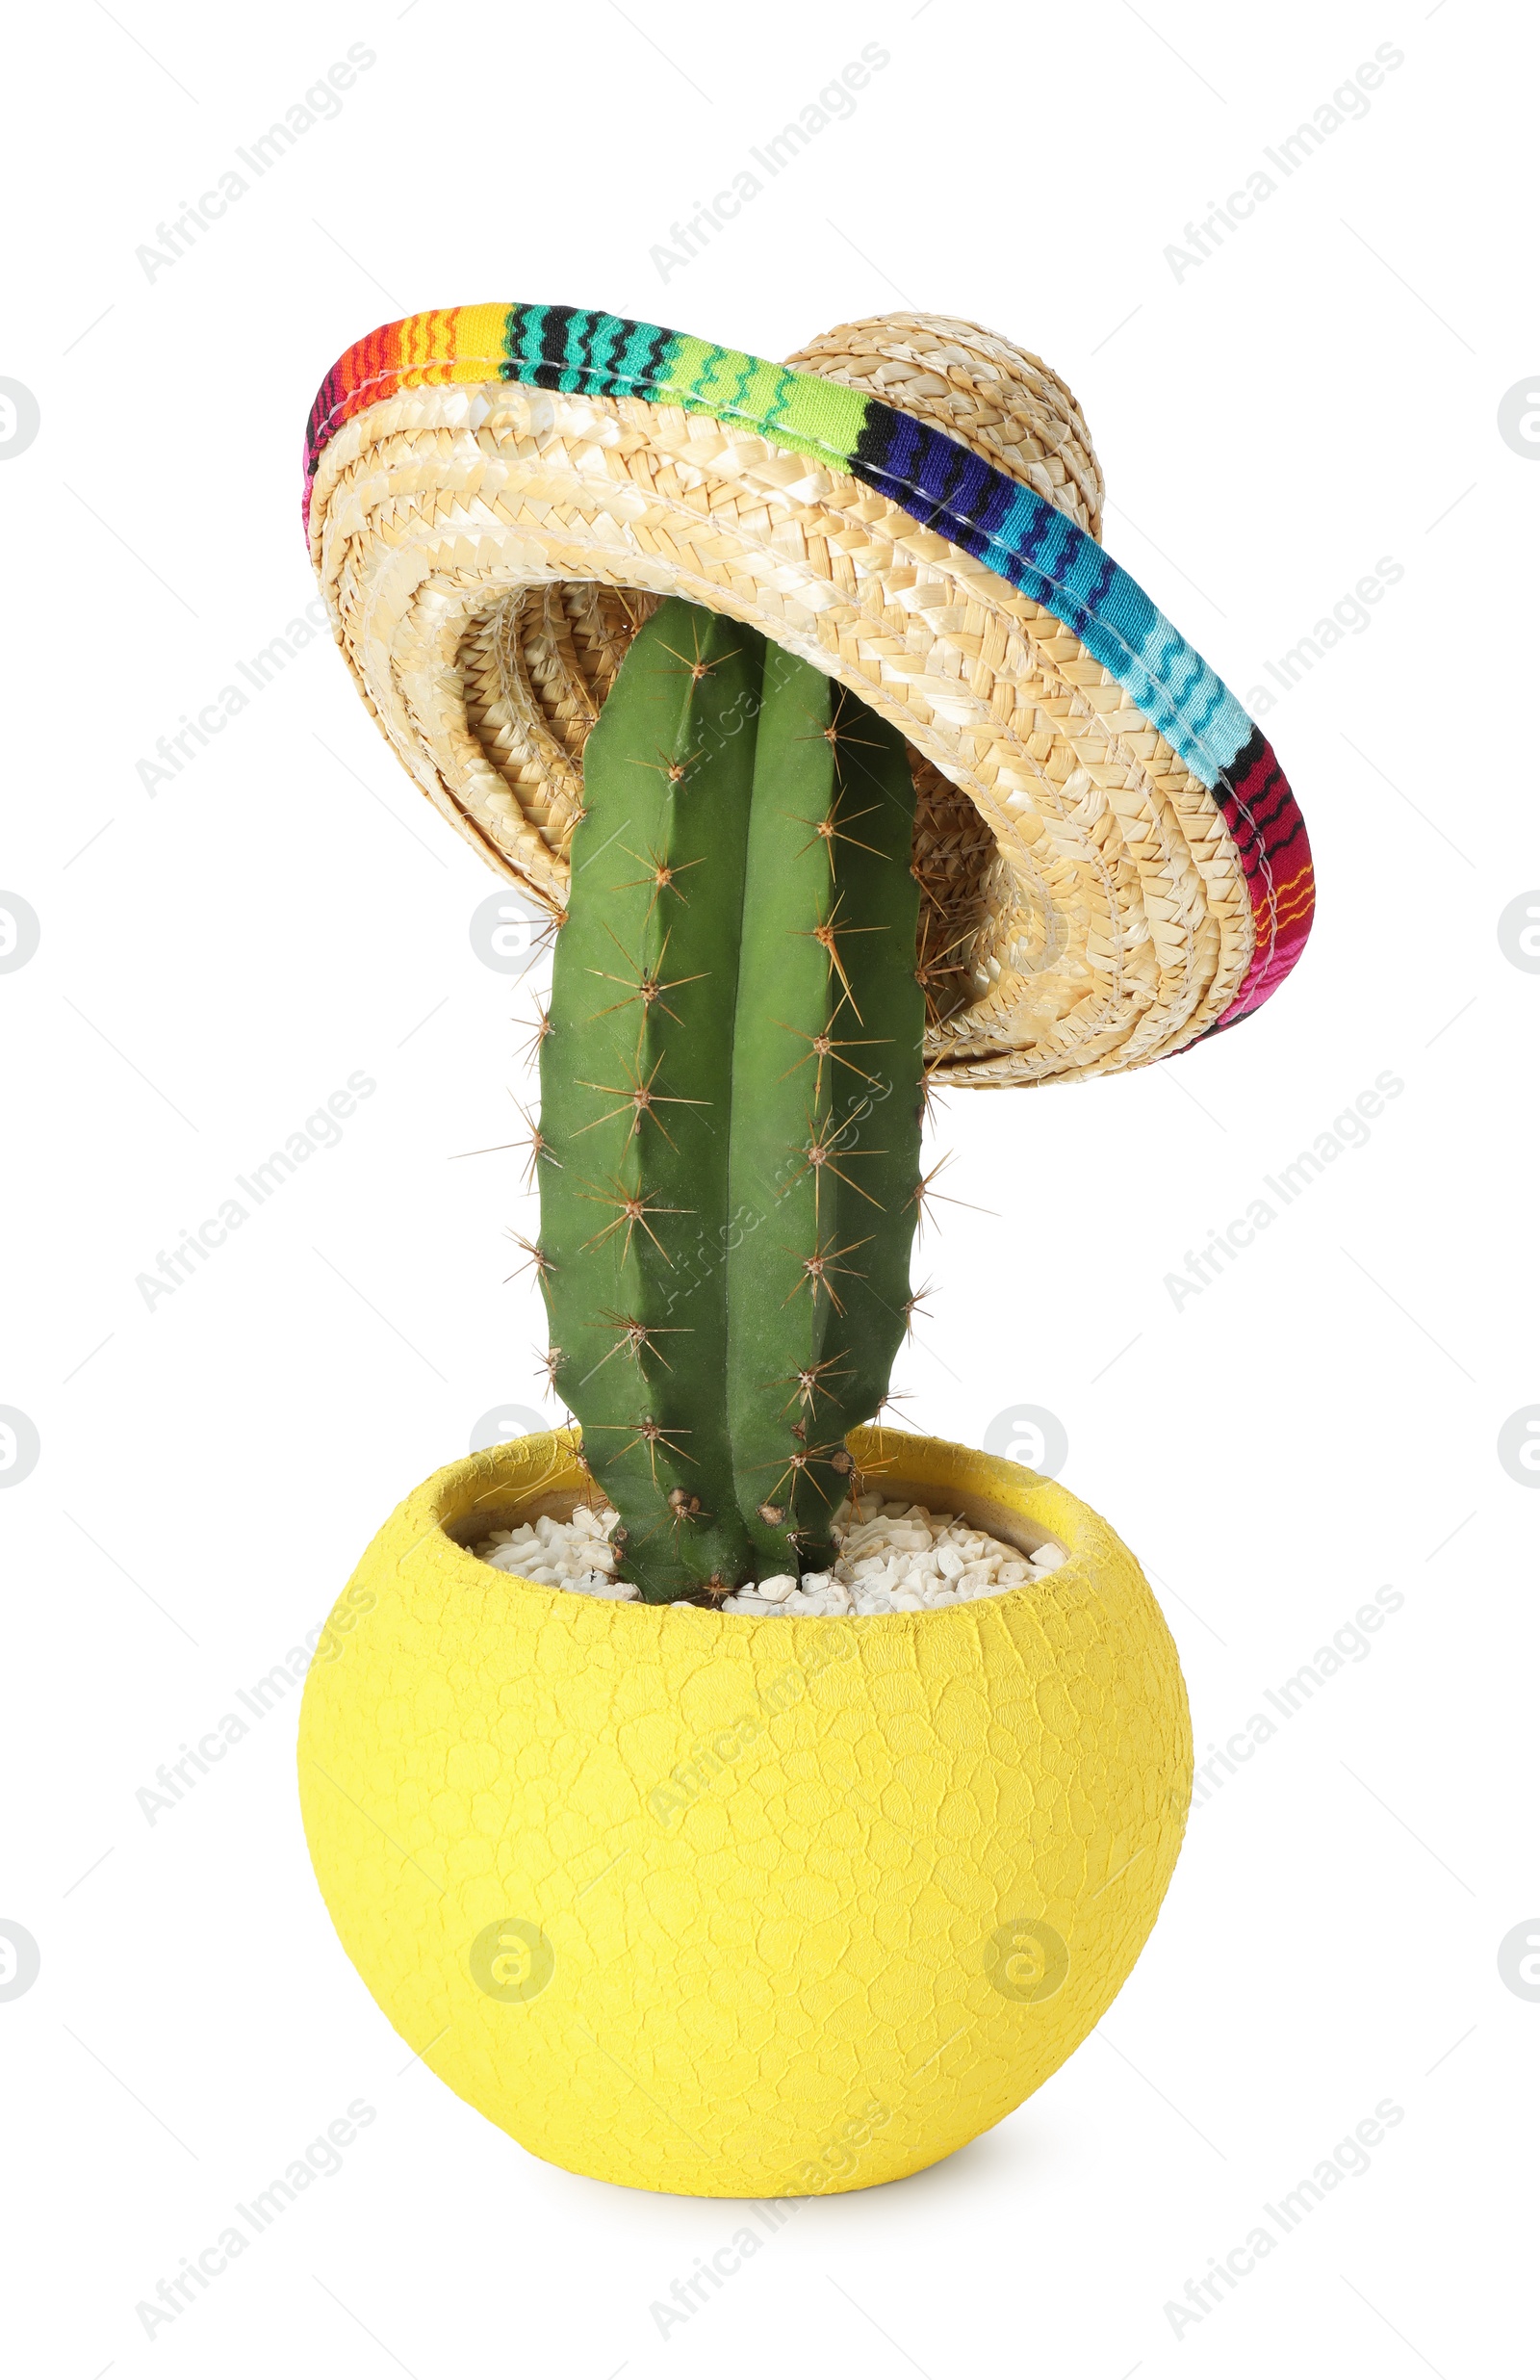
[{"x": 728, "y": 1154}]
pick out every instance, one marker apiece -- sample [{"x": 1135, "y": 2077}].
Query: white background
[{"x": 214, "y": 960}]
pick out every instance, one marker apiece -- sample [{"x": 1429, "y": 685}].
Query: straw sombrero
[{"x": 1112, "y": 861}]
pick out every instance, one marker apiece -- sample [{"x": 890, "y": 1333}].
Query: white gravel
[{"x": 892, "y": 1558}]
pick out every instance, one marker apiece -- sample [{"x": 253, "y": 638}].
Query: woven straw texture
[
  {"x": 488, "y": 547},
  {"x": 995, "y": 397}
]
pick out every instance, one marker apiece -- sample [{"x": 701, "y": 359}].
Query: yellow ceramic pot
[{"x": 739, "y": 1906}]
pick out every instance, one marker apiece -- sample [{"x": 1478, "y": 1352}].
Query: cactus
[{"x": 728, "y": 1151}]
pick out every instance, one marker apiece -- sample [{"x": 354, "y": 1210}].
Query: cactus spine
[{"x": 728, "y": 1144}]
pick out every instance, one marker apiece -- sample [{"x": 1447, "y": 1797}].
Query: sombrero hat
[{"x": 1112, "y": 861}]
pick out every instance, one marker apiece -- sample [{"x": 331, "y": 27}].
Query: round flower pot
[{"x": 730, "y": 1906}]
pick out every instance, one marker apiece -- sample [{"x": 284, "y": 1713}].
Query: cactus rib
[{"x": 728, "y": 1141}]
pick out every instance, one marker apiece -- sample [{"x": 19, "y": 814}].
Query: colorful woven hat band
[{"x": 940, "y": 489}]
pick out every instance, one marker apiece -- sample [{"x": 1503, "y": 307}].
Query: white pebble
[{"x": 892, "y": 1558}]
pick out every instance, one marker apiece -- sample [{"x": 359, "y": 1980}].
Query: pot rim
[{"x": 468, "y": 1499}]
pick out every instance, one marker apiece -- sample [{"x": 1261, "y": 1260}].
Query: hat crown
[{"x": 973, "y": 385}]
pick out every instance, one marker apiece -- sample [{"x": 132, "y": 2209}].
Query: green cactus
[{"x": 731, "y": 1085}]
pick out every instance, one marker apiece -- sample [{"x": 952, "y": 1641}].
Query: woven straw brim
[{"x": 487, "y": 549}]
